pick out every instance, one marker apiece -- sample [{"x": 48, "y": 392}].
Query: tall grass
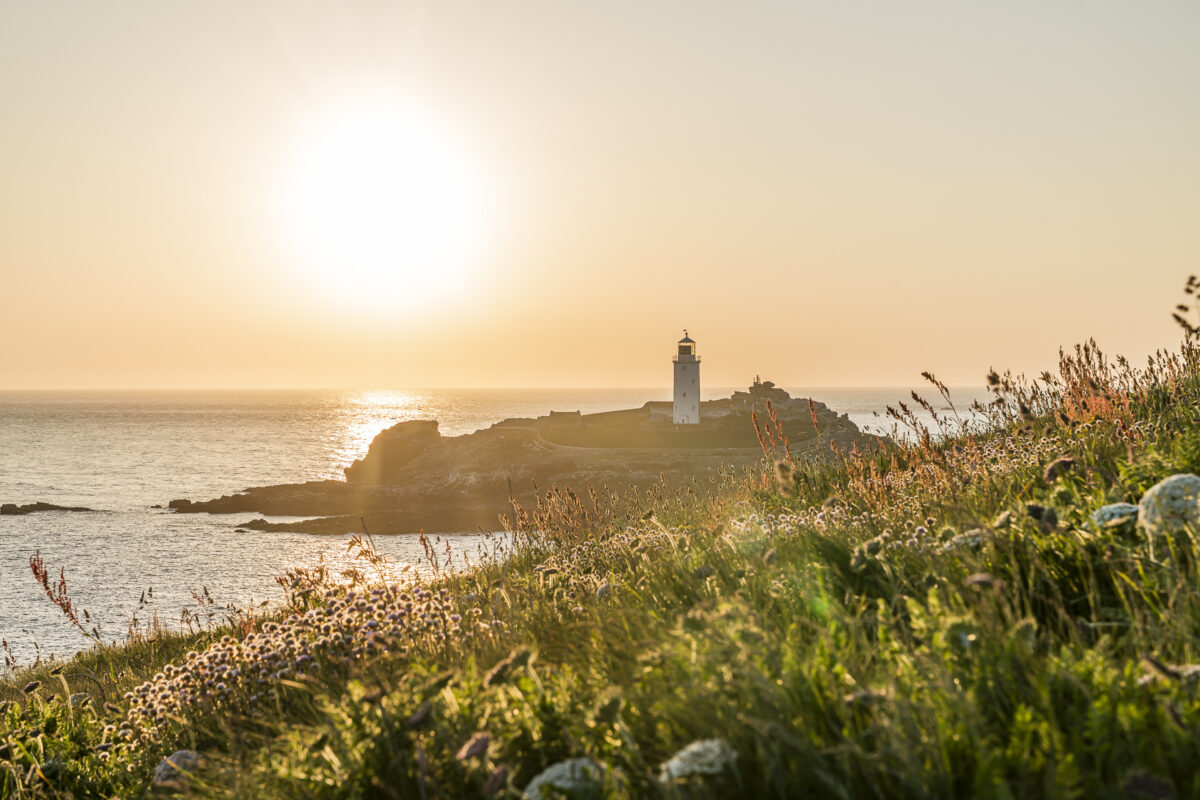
[{"x": 941, "y": 616}]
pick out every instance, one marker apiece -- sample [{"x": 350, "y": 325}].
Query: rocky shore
[{"x": 413, "y": 478}]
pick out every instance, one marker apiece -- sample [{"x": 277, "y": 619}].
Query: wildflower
[
  {"x": 982, "y": 580},
  {"x": 701, "y": 757},
  {"x": 971, "y": 539},
  {"x": 420, "y": 715},
  {"x": 1143, "y": 784},
  {"x": 496, "y": 780},
  {"x": 608, "y": 708},
  {"x": 32, "y": 686},
  {"x": 1113, "y": 512},
  {"x": 169, "y": 770},
  {"x": 477, "y": 745},
  {"x": 1171, "y": 504},
  {"x": 864, "y": 698},
  {"x": 498, "y": 673},
  {"x": 573, "y": 776},
  {"x": 1058, "y": 466},
  {"x": 1042, "y": 514}
]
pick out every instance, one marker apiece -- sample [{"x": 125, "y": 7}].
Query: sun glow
[{"x": 382, "y": 204}]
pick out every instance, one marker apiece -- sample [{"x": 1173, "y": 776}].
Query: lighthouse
[{"x": 686, "y": 410}]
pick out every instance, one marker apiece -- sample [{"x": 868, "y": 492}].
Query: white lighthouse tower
[{"x": 687, "y": 383}]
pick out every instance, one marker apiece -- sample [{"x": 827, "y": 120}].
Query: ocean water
[{"x": 126, "y": 452}]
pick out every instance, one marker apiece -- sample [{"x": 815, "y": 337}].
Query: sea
[{"x": 127, "y": 454}]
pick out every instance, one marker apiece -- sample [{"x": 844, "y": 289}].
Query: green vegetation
[{"x": 943, "y": 618}]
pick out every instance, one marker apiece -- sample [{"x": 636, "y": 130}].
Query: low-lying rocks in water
[{"x": 13, "y": 509}]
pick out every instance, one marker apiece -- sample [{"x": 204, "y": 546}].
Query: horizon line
[{"x": 631, "y": 387}]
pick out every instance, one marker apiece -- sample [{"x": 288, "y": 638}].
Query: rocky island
[{"x": 413, "y": 478}]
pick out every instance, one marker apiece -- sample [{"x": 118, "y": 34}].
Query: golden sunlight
[{"x": 381, "y": 203}]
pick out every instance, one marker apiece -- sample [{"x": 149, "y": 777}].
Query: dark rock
[
  {"x": 315, "y": 498},
  {"x": 392, "y": 449},
  {"x": 30, "y": 508}
]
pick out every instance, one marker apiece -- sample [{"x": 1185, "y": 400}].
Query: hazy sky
[{"x": 826, "y": 193}]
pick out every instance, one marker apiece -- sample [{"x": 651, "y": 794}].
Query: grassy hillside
[{"x": 945, "y": 618}]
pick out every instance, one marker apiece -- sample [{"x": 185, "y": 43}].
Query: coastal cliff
[{"x": 413, "y": 478}]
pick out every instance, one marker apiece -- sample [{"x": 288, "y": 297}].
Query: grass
[{"x": 941, "y": 617}]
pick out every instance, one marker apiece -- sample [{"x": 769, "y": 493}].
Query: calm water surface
[{"x": 126, "y": 452}]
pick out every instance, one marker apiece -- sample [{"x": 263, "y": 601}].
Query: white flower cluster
[
  {"x": 170, "y": 769},
  {"x": 1171, "y": 504},
  {"x": 971, "y": 540},
  {"x": 573, "y": 775},
  {"x": 701, "y": 757},
  {"x": 1113, "y": 511}
]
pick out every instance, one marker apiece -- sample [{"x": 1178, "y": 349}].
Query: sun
[{"x": 381, "y": 203}]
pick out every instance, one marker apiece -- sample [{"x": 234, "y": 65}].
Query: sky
[{"x": 282, "y": 193}]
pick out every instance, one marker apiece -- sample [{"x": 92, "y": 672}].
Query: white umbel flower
[
  {"x": 170, "y": 769},
  {"x": 971, "y": 540},
  {"x": 702, "y": 757},
  {"x": 1171, "y": 504},
  {"x": 1106, "y": 514},
  {"x": 572, "y": 775}
]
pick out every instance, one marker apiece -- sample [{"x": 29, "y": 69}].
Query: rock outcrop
[
  {"x": 393, "y": 449},
  {"x": 31, "y": 508},
  {"x": 413, "y": 478}
]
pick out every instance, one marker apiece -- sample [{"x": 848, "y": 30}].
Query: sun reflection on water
[{"x": 366, "y": 415}]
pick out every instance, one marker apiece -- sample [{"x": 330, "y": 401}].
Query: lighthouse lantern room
[{"x": 687, "y": 383}]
